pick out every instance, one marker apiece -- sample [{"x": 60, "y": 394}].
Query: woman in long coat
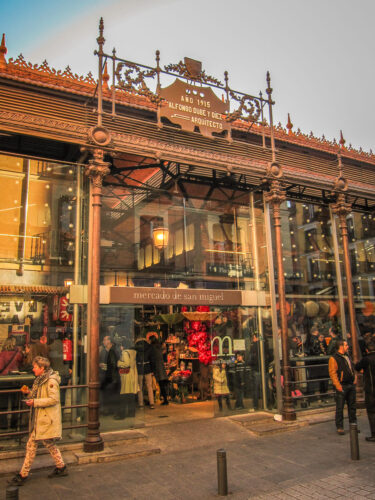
[
  {"x": 158, "y": 368},
  {"x": 219, "y": 377},
  {"x": 129, "y": 382},
  {"x": 45, "y": 419}
]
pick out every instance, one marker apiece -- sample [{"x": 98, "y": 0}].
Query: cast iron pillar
[
  {"x": 96, "y": 170},
  {"x": 275, "y": 197},
  {"x": 342, "y": 209}
]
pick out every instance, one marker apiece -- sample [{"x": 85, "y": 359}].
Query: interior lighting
[
  {"x": 160, "y": 236},
  {"x": 47, "y": 186},
  {"x": 68, "y": 283}
]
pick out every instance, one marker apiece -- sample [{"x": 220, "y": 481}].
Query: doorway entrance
[{"x": 190, "y": 362}]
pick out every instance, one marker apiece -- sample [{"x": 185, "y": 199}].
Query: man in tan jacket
[
  {"x": 45, "y": 419},
  {"x": 341, "y": 372}
]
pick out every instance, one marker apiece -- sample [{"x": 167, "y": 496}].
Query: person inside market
[
  {"x": 367, "y": 364},
  {"x": 144, "y": 368},
  {"x": 239, "y": 380},
  {"x": 220, "y": 383},
  {"x": 129, "y": 388},
  {"x": 34, "y": 349},
  {"x": 256, "y": 367},
  {"x": 110, "y": 386},
  {"x": 318, "y": 369},
  {"x": 11, "y": 359},
  {"x": 158, "y": 366},
  {"x": 63, "y": 368},
  {"x": 333, "y": 338}
]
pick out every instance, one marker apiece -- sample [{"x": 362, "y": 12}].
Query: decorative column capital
[
  {"x": 341, "y": 208},
  {"x": 276, "y": 194},
  {"x": 97, "y": 168}
]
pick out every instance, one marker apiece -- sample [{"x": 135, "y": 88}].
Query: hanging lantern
[{"x": 160, "y": 236}]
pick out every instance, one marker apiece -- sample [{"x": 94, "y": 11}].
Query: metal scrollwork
[
  {"x": 195, "y": 74},
  {"x": 250, "y": 108},
  {"x": 133, "y": 80}
]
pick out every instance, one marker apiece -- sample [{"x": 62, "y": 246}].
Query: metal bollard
[
  {"x": 222, "y": 481},
  {"x": 11, "y": 493},
  {"x": 354, "y": 447}
]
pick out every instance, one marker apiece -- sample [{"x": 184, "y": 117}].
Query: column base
[
  {"x": 289, "y": 414},
  {"x": 94, "y": 444}
]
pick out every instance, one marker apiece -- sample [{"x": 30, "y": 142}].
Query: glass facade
[
  {"x": 209, "y": 351},
  {"x": 207, "y": 243},
  {"x": 361, "y": 236},
  {"x": 41, "y": 254}
]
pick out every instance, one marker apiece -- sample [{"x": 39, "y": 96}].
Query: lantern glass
[{"x": 160, "y": 237}]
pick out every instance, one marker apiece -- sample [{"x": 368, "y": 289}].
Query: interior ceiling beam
[{"x": 183, "y": 174}]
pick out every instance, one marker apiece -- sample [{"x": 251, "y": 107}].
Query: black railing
[
  {"x": 19, "y": 412},
  {"x": 310, "y": 381}
]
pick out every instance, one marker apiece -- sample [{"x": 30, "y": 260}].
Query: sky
[{"x": 319, "y": 53}]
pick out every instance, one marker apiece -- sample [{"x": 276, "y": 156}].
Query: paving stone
[{"x": 312, "y": 462}]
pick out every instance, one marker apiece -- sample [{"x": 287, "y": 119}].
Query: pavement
[{"x": 307, "y": 462}]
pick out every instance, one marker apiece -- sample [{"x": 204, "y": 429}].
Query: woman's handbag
[{"x": 125, "y": 371}]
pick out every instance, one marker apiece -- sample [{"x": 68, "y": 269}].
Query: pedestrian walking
[
  {"x": 367, "y": 364},
  {"x": 45, "y": 420},
  {"x": 341, "y": 372}
]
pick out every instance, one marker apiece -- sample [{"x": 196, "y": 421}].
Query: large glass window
[
  {"x": 209, "y": 242},
  {"x": 312, "y": 300},
  {"x": 41, "y": 254},
  {"x": 361, "y": 236}
]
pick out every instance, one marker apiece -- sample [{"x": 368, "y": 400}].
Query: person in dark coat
[
  {"x": 255, "y": 364},
  {"x": 111, "y": 383},
  {"x": 367, "y": 364},
  {"x": 239, "y": 380},
  {"x": 314, "y": 347},
  {"x": 332, "y": 346},
  {"x": 10, "y": 360},
  {"x": 158, "y": 368},
  {"x": 144, "y": 369},
  {"x": 55, "y": 354}
]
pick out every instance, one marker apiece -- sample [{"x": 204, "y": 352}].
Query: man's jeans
[{"x": 348, "y": 395}]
